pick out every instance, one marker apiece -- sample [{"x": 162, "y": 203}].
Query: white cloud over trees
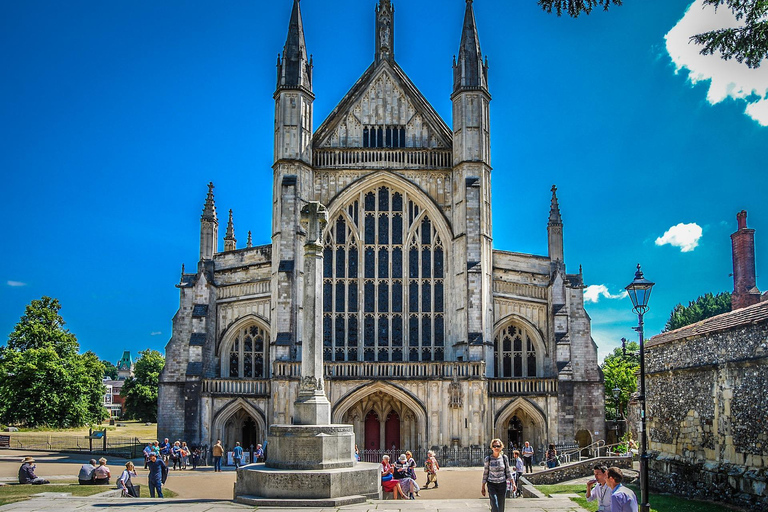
[{"x": 728, "y": 78}]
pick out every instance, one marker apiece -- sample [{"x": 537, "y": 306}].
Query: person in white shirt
[{"x": 598, "y": 490}]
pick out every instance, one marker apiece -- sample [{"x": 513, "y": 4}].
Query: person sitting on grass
[
  {"x": 101, "y": 474},
  {"x": 27, "y": 473},
  {"x": 85, "y": 477}
]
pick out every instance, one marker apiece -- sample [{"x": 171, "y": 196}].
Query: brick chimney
[{"x": 745, "y": 292}]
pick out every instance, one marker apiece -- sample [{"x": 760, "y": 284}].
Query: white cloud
[
  {"x": 16, "y": 283},
  {"x": 684, "y": 236},
  {"x": 155, "y": 333},
  {"x": 728, "y": 79},
  {"x": 593, "y": 292}
]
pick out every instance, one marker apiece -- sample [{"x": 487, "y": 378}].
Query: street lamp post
[
  {"x": 639, "y": 291},
  {"x": 619, "y": 418}
]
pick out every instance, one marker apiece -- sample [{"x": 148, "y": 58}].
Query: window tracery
[
  {"x": 383, "y": 289},
  {"x": 515, "y": 353},
  {"x": 248, "y": 353}
]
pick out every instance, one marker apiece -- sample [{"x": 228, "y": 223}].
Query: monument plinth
[{"x": 311, "y": 462}]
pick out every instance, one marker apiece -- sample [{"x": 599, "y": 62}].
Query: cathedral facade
[{"x": 430, "y": 336}]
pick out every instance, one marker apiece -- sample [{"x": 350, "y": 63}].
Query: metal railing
[
  {"x": 447, "y": 456},
  {"x": 117, "y": 446}
]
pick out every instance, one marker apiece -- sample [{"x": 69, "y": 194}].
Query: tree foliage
[
  {"x": 747, "y": 43},
  {"x": 43, "y": 378},
  {"x": 140, "y": 391},
  {"x": 110, "y": 370},
  {"x": 706, "y": 306},
  {"x": 574, "y": 8},
  {"x": 619, "y": 372}
]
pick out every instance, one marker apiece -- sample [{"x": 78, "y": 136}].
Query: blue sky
[{"x": 115, "y": 115}]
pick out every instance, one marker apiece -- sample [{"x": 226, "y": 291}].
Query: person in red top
[
  {"x": 431, "y": 467},
  {"x": 388, "y": 482}
]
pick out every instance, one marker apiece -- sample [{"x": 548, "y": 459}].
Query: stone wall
[
  {"x": 576, "y": 470},
  {"x": 707, "y": 413}
]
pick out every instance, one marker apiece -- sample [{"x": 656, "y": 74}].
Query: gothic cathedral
[{"x": 430, "y": 336}]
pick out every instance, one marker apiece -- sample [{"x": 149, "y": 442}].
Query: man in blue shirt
[
  {"x": 237, "y": 455},
  {"x": 157, "y": 469},
  {"x": 622, "y": 498},
  {"x": 165, "y": 450}
]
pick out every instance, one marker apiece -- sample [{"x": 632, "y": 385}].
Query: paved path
[
  {"x": 177, "y": 505},
  {"x": 205, "y": 491}
]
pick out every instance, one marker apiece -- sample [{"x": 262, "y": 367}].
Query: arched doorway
[
  {"x": 515, "y": 433},
  {"x": 242, "y": 428},
  {"x": 392, "y": 431},
  {"x": 372, "y": 437},
  {"x": 382, "y": 420},
  {"x": 584, "y": 439}
]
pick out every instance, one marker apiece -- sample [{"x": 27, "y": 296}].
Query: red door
[
  {"x": 392, "y": 432},
  {"x": 372, "y": 434}
]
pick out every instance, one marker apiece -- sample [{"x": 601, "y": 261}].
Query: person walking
[
  {"x": 598, "y": 490},
  {"x": 237, "y": 454},
  {"x": 218, "y": 453},
  {"x": 623, "y": 499},
  {"x": 431, "y": 467},
  {"x": 519, "y": 468},
  {"x": 528, "y": 457},
  {"x": 551, "y": 456},
  {"x": 496, "y": 474},
  {"x": 259, "y": 453},
  {"x": 125, "y": 483},
  {"x": 157, "y": 469}
]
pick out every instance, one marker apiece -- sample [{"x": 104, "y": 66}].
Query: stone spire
[
  {"x": 249, "y": 243},
  {"x": 469, "y": 71},
  {"x": 385, "y": 31},
  {"x": 209, "y": 209},
  {"x": 294, "y": 70},
  {"x": 554, "y": 209},
  {"x": 555, "y": 229},
  {"x": 209, "y": 227},
  {"x": 230, "y": 243}
]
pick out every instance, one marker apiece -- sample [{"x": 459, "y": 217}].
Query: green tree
[
  {"x": 619, "y": 372},
  {"x": 706, "y": 306},
  {"x": 140, "y": 391},
  {"x": 43, "y": 378},
  {"x": 110, "y": 370},
  {"x": 747, "y": 43}
]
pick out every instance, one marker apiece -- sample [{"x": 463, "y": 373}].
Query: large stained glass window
[
  {"x": 384, "y": 274},
  {"x": 248, "y": 353},
  {"x": 515, "y": 354}
]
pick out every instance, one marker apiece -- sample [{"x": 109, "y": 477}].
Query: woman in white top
[{"x": 124, "y": 482}]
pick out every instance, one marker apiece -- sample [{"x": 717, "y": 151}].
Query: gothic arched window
[
  {"x": 383, "y": 288},
  {"x": 515, "y": 353},
  {"x": 248, "y": 353}
]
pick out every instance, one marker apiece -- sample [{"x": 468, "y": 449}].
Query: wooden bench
[{"x": 5, "y": 441}]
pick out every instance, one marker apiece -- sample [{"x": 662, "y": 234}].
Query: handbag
[{"x": 386, "y": 478}]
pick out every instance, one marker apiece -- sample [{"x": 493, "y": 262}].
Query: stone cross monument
[
  {"x": 312, "y": 406},
  {"x": 312, "y": 461}
]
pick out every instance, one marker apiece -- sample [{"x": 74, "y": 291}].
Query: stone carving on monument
[{"x": 311, "y": 462}]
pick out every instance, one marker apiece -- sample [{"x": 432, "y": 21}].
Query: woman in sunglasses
[{"x": 497, "y": 475}]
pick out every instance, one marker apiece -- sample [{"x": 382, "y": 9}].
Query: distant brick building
[
  {"x": 431, "y": 337},
  {"x": 706, "y": 396}
]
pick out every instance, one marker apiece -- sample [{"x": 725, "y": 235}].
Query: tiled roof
[{"x": 755, "y": 313}]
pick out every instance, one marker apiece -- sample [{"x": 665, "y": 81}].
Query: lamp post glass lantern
[{"x": 639, "y": 291}]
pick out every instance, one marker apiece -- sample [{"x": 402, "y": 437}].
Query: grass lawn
[
  {"x": 130, "y": 429},
  {"x": 659, "y": 502},
  {"x": 13, "y": 493}
]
